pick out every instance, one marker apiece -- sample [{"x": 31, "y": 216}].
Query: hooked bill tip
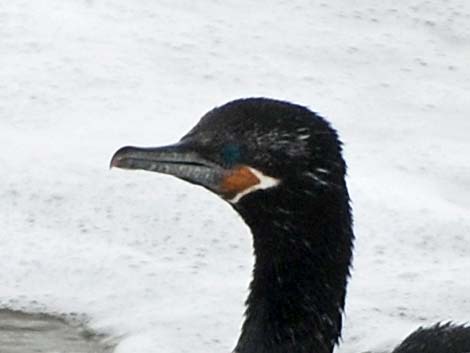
[
  {"x": 119, "y": 157},
  {"x": 114, "y": 161}
]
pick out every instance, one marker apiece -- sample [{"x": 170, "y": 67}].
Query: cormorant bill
[{"x": 280, "y": 167}]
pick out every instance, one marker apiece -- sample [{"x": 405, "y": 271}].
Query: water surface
[{"x": 39, "y": 333}]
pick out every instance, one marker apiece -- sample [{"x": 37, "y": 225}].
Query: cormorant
[{"x": 280, "y": 167}]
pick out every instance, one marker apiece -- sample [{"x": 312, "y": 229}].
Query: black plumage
[
  {"x": 281, "y": 168},
  {"x": 440, "y": 338}
]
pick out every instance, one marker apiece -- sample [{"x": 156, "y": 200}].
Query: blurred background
[{"x": 163, "y": 266}]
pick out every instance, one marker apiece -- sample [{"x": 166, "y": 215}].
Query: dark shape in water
[
  {"x": 281, "y": 168},
  {"x": 40, "y": 333}
]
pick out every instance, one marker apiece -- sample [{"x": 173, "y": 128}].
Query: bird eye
[{"x": 231, "y": 154}]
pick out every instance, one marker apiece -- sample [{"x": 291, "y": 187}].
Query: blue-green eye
[{"x": 231, "y": 154}]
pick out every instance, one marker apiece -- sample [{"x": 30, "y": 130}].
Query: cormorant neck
[{"x": 302, "y": 250}]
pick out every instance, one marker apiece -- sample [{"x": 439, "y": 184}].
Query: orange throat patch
[
  {"x": 243, "y": 180},
  {"x": 238, "y": 180}
]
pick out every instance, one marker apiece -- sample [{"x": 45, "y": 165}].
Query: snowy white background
[{"x": 165, "y": 265}]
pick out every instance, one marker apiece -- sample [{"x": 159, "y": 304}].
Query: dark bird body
[{"x": 281, "y": 168}]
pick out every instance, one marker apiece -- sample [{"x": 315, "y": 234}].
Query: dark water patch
[{"x": 40, "y": 333}]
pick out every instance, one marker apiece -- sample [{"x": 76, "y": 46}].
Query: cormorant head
[{"x": 249, "y": 150}]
